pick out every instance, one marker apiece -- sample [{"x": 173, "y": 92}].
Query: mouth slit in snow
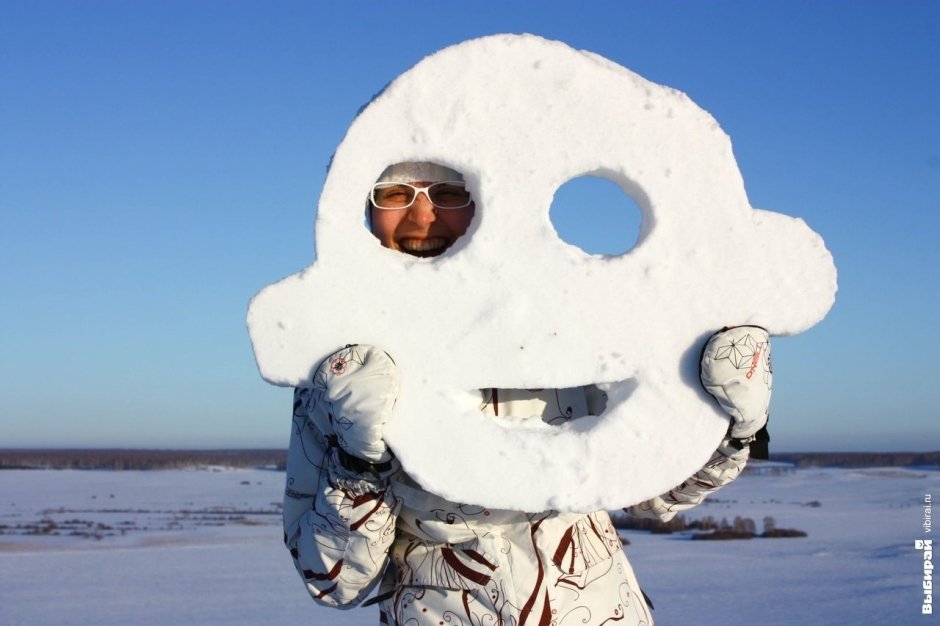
[{"x": 554, "y": 406}]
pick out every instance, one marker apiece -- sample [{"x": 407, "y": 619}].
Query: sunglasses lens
[
  {"x": 449, "y": 195},
  {"x": 392, "y": 195}
]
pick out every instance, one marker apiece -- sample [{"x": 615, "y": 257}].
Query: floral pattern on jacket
[{"x": 438, "y": 562}]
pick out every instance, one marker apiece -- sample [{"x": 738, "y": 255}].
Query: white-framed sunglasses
[{"x": 450, "y": 194}]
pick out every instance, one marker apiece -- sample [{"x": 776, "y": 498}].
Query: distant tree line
[
  {"x": 130, "y": 459},
  {"x": 134, "y": 459},
  {"x": 858, "y": 459},
  {"x": 707, "y": 527}
]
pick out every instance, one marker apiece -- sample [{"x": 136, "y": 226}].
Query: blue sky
[{"x": 161, "y": 162}]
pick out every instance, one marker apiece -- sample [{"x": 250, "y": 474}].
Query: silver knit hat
[{"x": 422, "y": 171}]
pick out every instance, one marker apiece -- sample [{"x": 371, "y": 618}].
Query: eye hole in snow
[
  {"x": 419, "y": 208},
  {"x": 595, "y": 215}
]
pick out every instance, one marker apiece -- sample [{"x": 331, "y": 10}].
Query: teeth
[{"x": 423, "y": 245}]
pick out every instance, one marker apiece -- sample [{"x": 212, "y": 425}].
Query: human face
[{"x": 421, "y": 230}]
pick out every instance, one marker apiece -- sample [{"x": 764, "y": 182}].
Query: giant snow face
[{"x": 510, "y": 305}]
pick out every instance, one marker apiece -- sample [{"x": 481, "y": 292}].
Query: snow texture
[
  {"x": 857, "y": 566},
  {"x": 510, "y": 305}
]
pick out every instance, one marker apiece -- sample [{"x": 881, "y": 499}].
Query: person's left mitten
[{"x": 736, "y": 370}]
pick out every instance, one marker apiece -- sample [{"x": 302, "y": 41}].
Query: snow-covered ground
[{"x": 204, "y": 547}]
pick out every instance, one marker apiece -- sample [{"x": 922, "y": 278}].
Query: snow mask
[{"x": 510, "y": 305}]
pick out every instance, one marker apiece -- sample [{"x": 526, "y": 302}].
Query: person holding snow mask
[{"x": 354, "y": 519}]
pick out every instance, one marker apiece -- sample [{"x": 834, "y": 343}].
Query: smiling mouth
[
  {"x": 432, "y": 246},
  {"x": 555, "y": 406}
]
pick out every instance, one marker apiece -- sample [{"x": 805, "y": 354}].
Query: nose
[{"x": 422, "y": 212}]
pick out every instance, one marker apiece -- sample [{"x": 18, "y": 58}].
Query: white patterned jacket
[{"x": 445, "y": 563}]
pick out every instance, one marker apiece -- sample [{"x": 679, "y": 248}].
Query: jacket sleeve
[
  {"x": 722, "y": 468},
  {"x": 338, "y": 525}
]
